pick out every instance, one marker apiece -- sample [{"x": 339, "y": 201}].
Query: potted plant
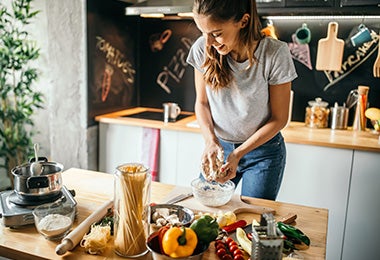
[{"x": 18, "y": 99}]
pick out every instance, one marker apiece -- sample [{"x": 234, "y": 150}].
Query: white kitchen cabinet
[
  {"x": 361, "y": 237},
  {"x": 180, "y": 151},
  {"x": 319, "y": 176},
  {"x": 190, "y": 149},
  {"x": 118, "y": 144},
  {"x": 168, "y": 157},
  {"x": 182, "y": 155}
]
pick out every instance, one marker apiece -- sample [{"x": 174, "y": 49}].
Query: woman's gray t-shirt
[{"x": 243, "y": 107}]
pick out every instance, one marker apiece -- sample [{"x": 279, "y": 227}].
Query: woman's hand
[
  {"x": 229, "y": 168},
  {"x": 212, "y": 161}
]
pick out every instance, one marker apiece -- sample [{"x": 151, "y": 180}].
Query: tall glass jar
[{"x": 131, "y": 202}]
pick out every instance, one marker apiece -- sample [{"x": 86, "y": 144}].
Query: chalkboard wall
[
  {"x": 154, "y": 53},
  {"x": 111, "y": 44},
  {"x": 330, "y": 86},
  {"x": 164, "y": 73}
]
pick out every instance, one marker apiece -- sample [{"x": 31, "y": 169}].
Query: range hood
[{"x": 170, "y": 7}]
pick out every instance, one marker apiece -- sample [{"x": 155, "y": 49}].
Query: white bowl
[
  {"x": 54, "y": 220},
  {"x": 212, "y": 194}
]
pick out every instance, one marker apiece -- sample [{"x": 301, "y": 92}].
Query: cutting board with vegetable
[{"x": 330, "y": 50}]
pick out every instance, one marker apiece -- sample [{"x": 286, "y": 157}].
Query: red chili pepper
[{"x": 232, "y": 227}]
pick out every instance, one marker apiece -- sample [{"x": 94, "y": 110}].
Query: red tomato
[
  {"x": 219, "y": 241},
  {"x": 221, "y": 252},
  {"x": 219, "y": 246},
  {"x": 239, "y": 257},
  {"x": 232, "y": 243},
  {"x": 229, "y": 240},
  {"x": 238, "y": 252},
  {"x": 233, "y": 248},
  {"x": 227, "y": 257}
]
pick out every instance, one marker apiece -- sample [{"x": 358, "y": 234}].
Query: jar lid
[{"x": 318, "y": 103}]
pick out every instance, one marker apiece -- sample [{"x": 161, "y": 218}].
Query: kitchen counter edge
[{"x": 294, "y": 132}]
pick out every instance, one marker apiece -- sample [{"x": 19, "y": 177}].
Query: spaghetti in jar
[{"x": 131, "y": 202}]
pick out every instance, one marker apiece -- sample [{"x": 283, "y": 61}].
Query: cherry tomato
[
  {"x": 220, "y": 246},
  {"x": 233, "y": 248},
  {"x": 239, "y": 257},
  {"x": 219, "y": 241},
  {"x": 237, "y": 252},
  {"x": 229, "y": 240},
  {"x": 221, "y": 252},
  {"x": 227, "y": 257},
  {"x": 232, "y": 243}
]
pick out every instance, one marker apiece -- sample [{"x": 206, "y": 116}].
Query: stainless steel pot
[{"x": 48, "y": 183}]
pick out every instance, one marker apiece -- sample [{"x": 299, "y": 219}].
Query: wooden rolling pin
[{"x": 74, "y": 237}]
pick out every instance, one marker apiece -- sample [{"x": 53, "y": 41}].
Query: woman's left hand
[{"x": 229, "y": 168}]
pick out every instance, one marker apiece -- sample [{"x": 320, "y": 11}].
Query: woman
[{"x": 243, "y": 83}]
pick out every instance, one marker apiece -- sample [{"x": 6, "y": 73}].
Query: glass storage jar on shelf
[
  {"x": 131, "y": 207},
  {"x": 317, "y": 113}
]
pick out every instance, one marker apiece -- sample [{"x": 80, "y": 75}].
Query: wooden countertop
[
  {"x": 94, "y": 188},
  {"x": 295, "y": 132}
]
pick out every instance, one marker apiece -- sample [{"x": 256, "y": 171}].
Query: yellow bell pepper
[{"x": 179, "y": 242}]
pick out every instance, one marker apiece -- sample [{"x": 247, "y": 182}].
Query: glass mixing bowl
[{"x": 212, "y": 194}]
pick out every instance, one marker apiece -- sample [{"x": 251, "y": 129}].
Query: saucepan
[{"x": 47, "y": 183}]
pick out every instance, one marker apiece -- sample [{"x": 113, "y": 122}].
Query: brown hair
[{"x": 218, "y": 73}]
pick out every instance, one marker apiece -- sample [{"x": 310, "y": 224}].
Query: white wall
[{"x": 60, "y": 32}]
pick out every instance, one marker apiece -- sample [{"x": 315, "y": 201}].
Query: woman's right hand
[{"x": 212, "y": 160}]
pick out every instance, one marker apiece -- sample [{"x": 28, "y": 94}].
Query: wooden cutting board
[
  {"x": 330, "y": 50},
  {"x": 235, "y": 204}
]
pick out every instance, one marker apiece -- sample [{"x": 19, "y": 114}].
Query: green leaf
[{"x": 18, "y": 99}]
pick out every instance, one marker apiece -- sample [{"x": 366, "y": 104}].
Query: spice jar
[
  {"x": 317, "y": 114},
  {"x": 131, "y": 206}
]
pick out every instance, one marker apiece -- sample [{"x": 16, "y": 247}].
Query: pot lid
[{"x": 318, "y": 103}]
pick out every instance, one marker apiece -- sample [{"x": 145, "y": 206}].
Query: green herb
[{"x": 18, "y": 100}]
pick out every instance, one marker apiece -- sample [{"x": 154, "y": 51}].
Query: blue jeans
[{"x": 261, "y": 169}]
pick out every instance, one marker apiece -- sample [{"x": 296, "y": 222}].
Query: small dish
[{"x": 54, "y": 220}]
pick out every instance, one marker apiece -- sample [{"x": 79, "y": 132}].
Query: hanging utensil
[
  {"x": 376, "y": 65},
  {"x": 352, "y": 98},
  {"x": 330, "y": 50},
  {"x": 36, "y": 167}
]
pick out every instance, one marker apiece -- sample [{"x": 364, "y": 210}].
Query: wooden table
[{"x": 94, "y": 188}]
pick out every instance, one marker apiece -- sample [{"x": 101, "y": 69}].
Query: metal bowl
[
  {"x": 170, "y": 212},
  {"x": 212, "y": 194}
]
